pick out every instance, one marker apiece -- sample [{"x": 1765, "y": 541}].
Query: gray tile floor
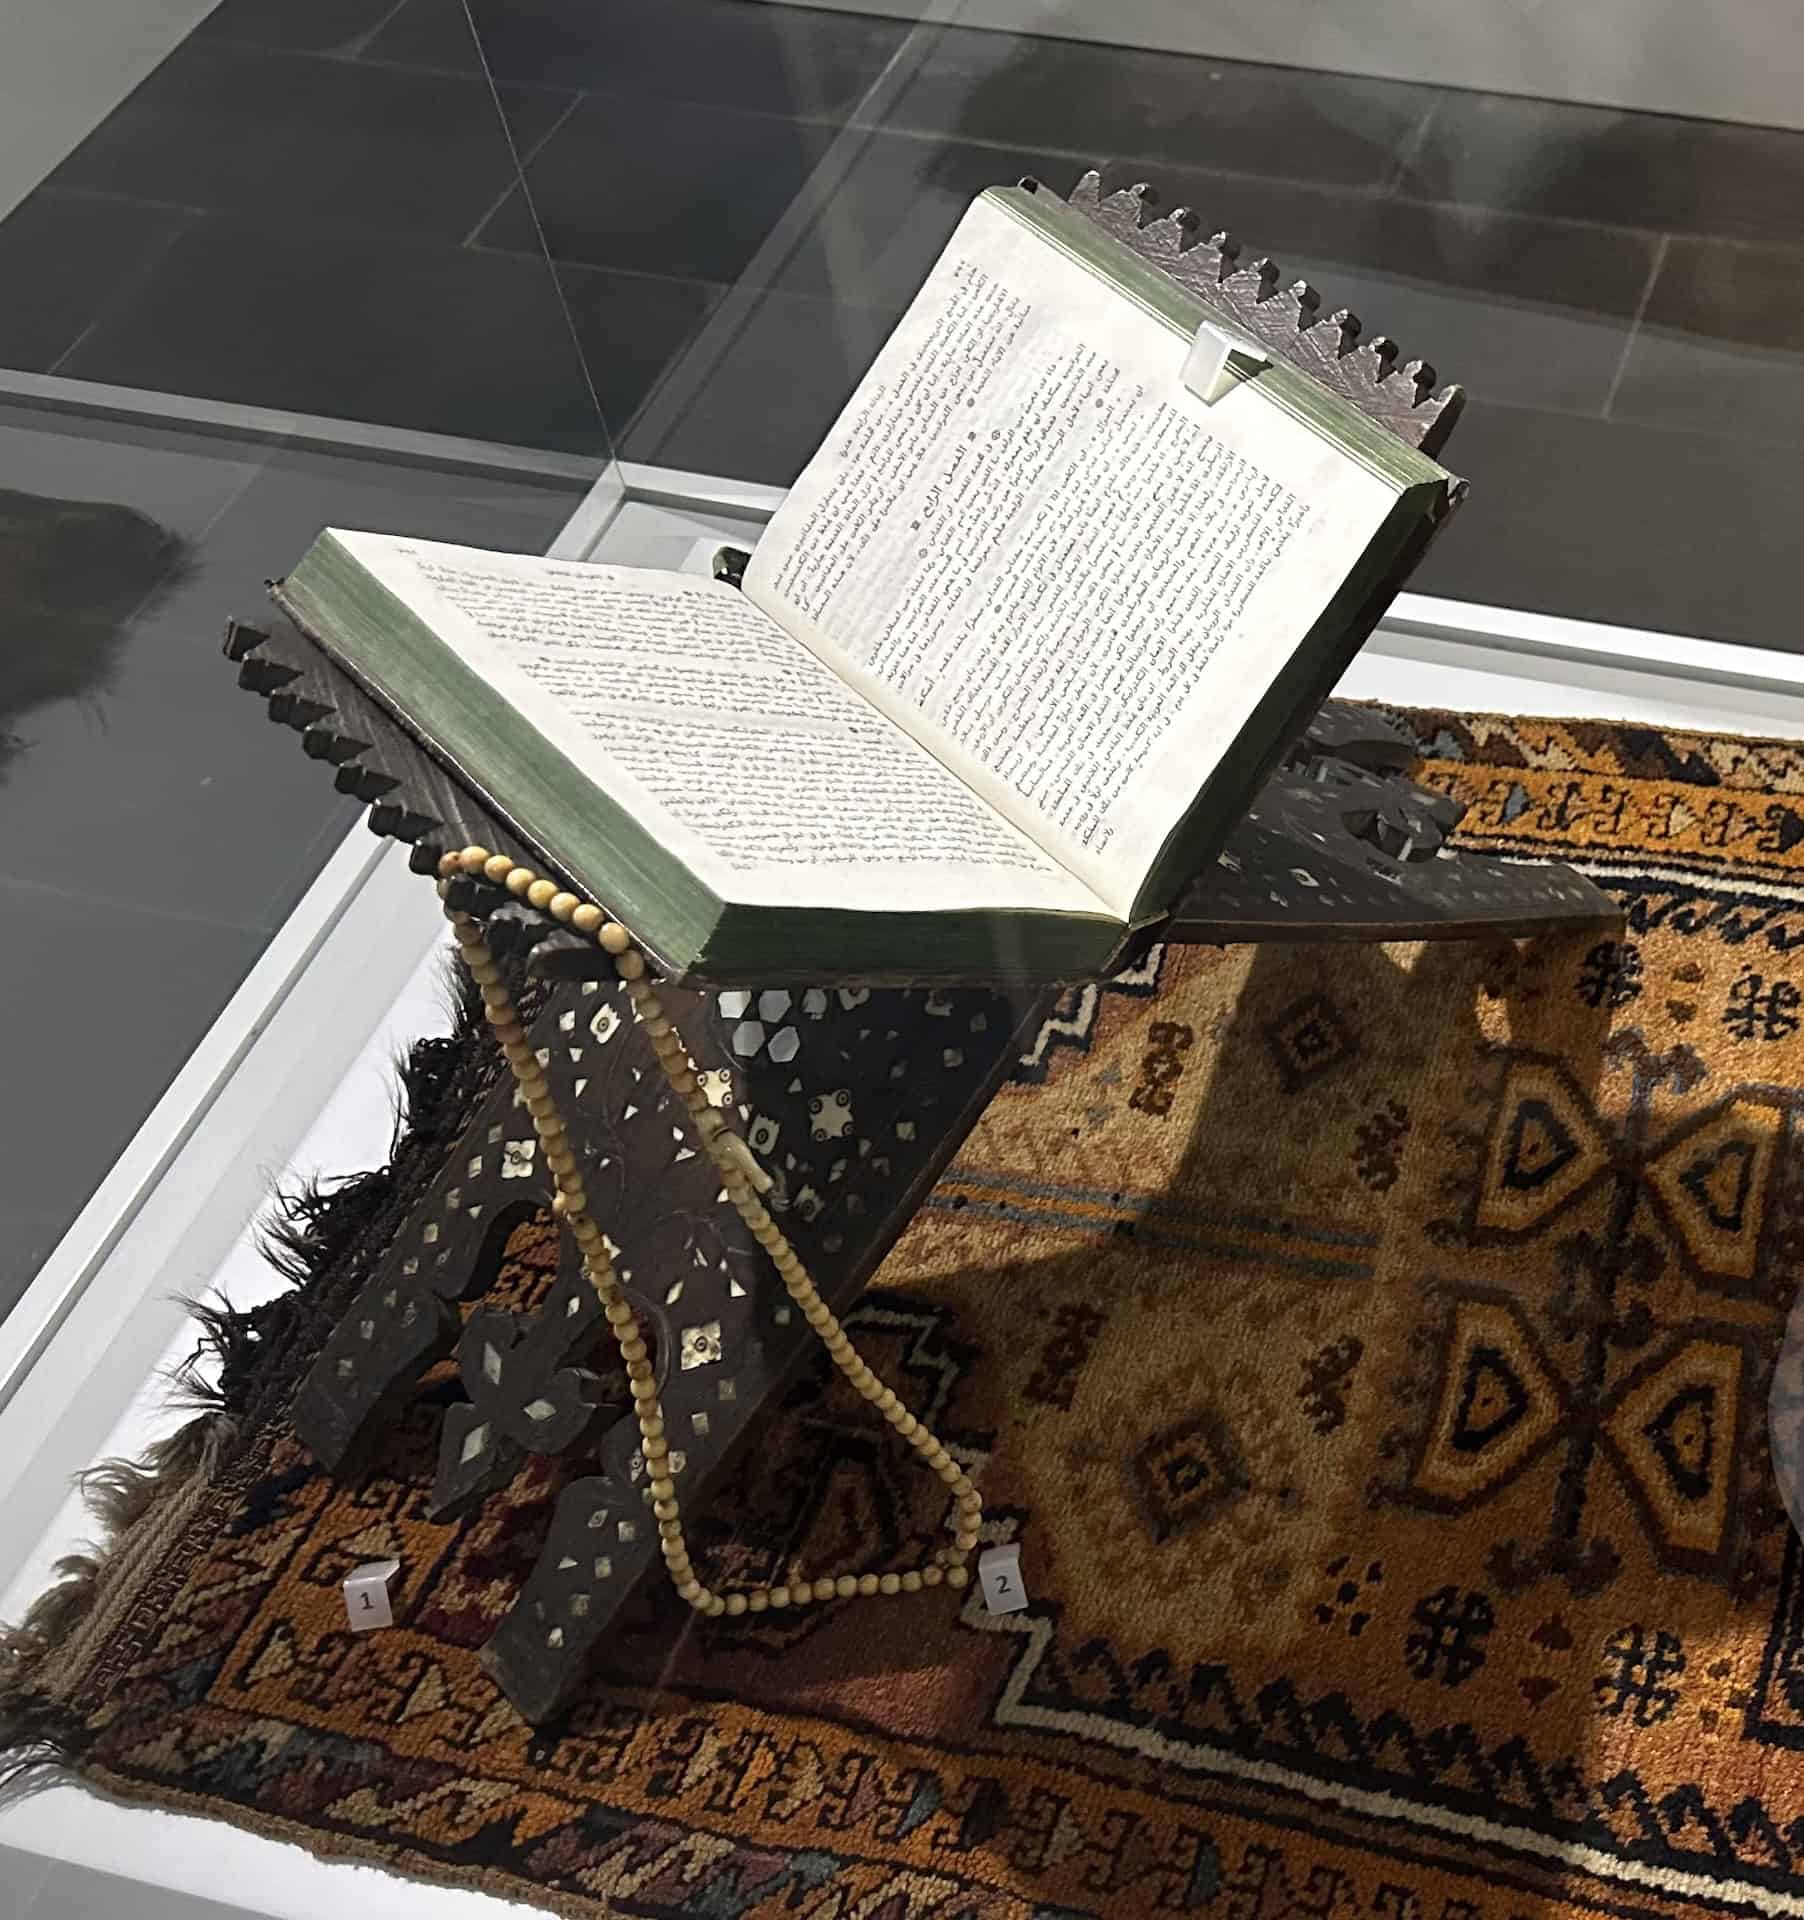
[
  {"x": 153, "y": 832},
  {"x": 317, "y": 208}
]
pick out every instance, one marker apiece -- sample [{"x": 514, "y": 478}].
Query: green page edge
[{"x": 561, "y": 810}]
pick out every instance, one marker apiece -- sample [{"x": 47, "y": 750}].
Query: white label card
[
  {"x": 999, "y": 1574},
  {"x": 368, "y": 1591}
]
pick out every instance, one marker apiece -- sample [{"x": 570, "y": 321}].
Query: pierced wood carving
[
  {"x": 853, "y": 1099},
  {"x": 1287, "y": 320}
]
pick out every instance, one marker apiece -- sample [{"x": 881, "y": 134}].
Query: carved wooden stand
[{"x": 853, "y": 1099}]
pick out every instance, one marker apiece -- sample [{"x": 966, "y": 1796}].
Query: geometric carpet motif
[{"x": 1368, "y": 1349}]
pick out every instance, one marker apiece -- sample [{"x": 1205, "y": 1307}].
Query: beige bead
[
  {"x": 630, "y": 965},
  {"x": 663, "y": 1489},
  {"x": 633, "y": 1348},
  {"x": 950, "y": 1472},
  {"x": 519, "y": 880},
  {"x": 911, "y": 1582},
  {"x": 587, "y": 917},
  {"x": 736, "y": 1603},
  {"x": 671, "y": 1529},
  {"x": 867, "y": 1584},
  {"x": 648, "y": 1429},
  {"x": 889, "y": 1583},
  {"x": 690, "y": 1590},
  {"x": 825, "y": 1589},
  {"x": 473, "y": 859},
  {"x": 656, "y": 1449},
  {"x": 957, "y": 1577},
  {"x": 497, "y": 867},
  {"x": 541, "y": 894},
  {"x": 448, "y": 864},
  {"x": 757, "y": 1602},
  {"x": 779, "y": 1597},
  {"x": 716, "y": 1606},
  {"x": 613, "y": 937},
  {"x": 619, "y": 1313},
  {"x": 665, "y": 1507},
  {"x": 644, "y": 1387},
  {"x": 845, "y": 1586},
  {"x": 562, "y": 905},
  {"x": 965, "y": 1539},
  {"x": 908, "y": 1426},
  {"x": 932, "y": 1576}
]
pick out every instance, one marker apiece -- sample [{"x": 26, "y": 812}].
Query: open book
[{"x": 1006, "y": 664}]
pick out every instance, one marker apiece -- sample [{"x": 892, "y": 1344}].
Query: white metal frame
[{"x": 78, "y": 1355}]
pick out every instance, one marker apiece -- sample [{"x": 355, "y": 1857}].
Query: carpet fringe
[
  {"x": 38, "y": 1730},
  {"x": 309, "y": 1232}
]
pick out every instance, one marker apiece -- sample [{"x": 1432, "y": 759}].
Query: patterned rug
[{"x": 1369, "y": 1350}]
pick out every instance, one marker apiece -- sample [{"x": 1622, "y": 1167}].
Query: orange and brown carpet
[{"x": 1369, "y": 1349}]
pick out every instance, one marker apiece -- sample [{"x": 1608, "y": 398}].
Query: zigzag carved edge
[
  {"x": 1287, "y": 320},
  {"x": 409, "y": 796}
]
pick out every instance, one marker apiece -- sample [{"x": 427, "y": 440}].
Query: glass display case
[{"x": 596, "y": 280}]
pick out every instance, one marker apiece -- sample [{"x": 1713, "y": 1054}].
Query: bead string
[{"x": 742, "y": 1177}]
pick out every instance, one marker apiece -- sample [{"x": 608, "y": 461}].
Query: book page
[
  {"x": 759, "y": 768},
  {"x": 1027, "y": 541}
]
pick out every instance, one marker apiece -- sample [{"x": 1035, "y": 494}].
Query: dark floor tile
[
  {"x": 147, "y": 986},
  {"x": 631, "y": 327},
  {"x": 83, "y": 562},
  {"x": 1593, "y": 163},
  {"x": 1605, "y": 520},
  {"x": 722, "y": 181},
  {"x": 184, "y": 480},
  {"x": 770, "y": 400},
  {"x": 283, "y": 136},
  {"x": 892, "y": 215},
  {"x": 769, "y": 58},
  {"x": 321, "y": 26},
  {"x": 163, "y": 750},
  {"x": 1534, "y": 312},
  {"x": 354, "y": 325},
  {"x": 66, "y": 258},
  {"x": 116, "y": 708},
  {"x": 1113, "y": 103},
  {"x": 1721, "y": 347}
]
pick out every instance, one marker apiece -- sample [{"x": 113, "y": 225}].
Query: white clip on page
[{"x": 1218, "y": 361}]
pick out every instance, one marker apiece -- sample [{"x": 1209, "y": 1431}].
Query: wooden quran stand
[{"x": 852, "y": 1100}]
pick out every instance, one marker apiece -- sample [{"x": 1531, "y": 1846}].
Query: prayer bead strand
[{"x": 742, "y": 1178}]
